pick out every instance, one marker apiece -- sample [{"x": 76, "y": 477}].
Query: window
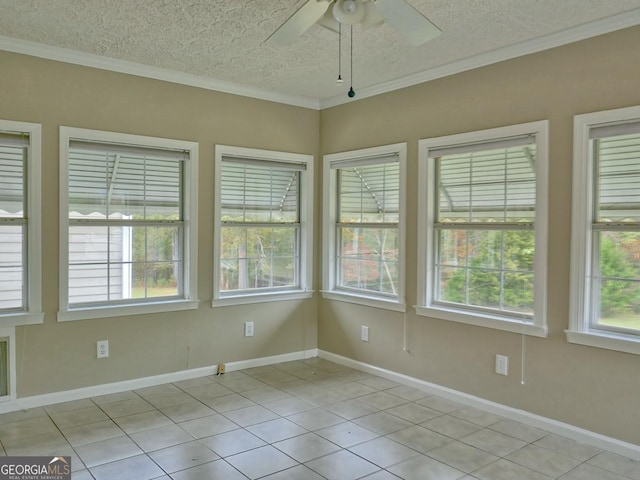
[
  {"x": 20, "y": 244},
  {"x": 128, "y": 224},
  {"x": 364, "y": 226},
  {"x": 483, "y": 228},
  {"x": 263, "y": 238},
  {"x": 605, "y": 257}
]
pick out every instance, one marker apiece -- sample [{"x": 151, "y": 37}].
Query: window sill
[
  {"x": 607, "y": 340},
  {"x": 22, "y": 318},
  {"x": 125, "y": 310},
  {"x": 483, "y": 320},
  {"x": 368, "y": 301},
  {"x": 261, "y": 298}
]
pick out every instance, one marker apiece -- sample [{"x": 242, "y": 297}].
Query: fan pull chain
[
  {"x": 352, "y": 92},
  {"x": 339, "y": 54},
  {"x": 523, "y": 351}
]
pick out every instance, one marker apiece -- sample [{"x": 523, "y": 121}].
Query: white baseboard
[
  {"x": 260, "y": 362},
  {"x": 137, "y": 383},
  {"x": 553, "y": 426}
]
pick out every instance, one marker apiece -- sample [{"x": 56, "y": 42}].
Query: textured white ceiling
[{"x": 224, "y": 39}]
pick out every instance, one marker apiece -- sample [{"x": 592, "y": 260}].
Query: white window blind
[
  {"x": 13, "y": 220},
  {"x": 617, "y": 171},
  {"x": 497, "y": 185},
  {"x": 369, "y": 191},
  {"x": 116, "y": 180},
  {"x": 260, "y": 190}
]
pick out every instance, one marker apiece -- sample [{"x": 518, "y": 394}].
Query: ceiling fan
[{"x": 402, "y": 17}]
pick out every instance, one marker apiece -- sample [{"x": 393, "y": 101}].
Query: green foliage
[
  {"x": 494, "y": 269},
  {"x": 617, "y": 296},
  {"x": 257, "y": 257},
  {"x": 153, "y": 255}
]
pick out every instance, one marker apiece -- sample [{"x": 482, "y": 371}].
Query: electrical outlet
[
  {"x": 248, "y": 329},
  {"x": 364, "y": 333},
  {"x": 502, "y": 365},
  {"x": 103, "y": 348}
]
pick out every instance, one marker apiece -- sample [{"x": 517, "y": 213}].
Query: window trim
[
  {"x": 580, "y": 331},
  {"x": 426, "y": 215},
  {"x": 190, "y": 300},
  {"x": 9, "y": 333},
  {"x": 306, "y": 227},
  {"x": 33, "y": 313},
  {"x": 329, "y": 274}
]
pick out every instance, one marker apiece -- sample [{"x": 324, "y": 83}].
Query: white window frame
[
  {"x": 9, "y": 333},
  {"x": 331, "y": 164},
  {"x": 305, "y": 289},
  {"x": 580, "y": 331},
  {"x": 190, "y": 199},
  {"x": 33, "y": 313},
  {"x": 426, "y": 216}
]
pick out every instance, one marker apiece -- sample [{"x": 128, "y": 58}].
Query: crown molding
[
  {"x": 557, "y": 39},
  {"x": 131, "y": 68}
]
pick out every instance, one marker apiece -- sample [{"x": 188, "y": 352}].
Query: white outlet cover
[
  {"x": 502, "y": 365},
  {"x": 248, "y": 329},
  {"x": 103, "y": 348},
  {"x": 364, "y": 333}
]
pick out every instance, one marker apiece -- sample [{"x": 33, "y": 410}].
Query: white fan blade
[
  {"x": 329, "y": 22},
  {"x": 298, "y": 23},
  {"x": 372, "y": 17},
  {"x": 407, "y": 21}
]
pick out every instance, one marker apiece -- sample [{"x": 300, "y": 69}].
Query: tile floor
[{"x": 303, "y": 420}]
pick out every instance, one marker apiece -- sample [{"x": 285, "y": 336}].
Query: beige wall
[
  {"x": 58, "y": 356},
  {"x": 592, "y": 388},
  {"x": 588, "y": 387}
]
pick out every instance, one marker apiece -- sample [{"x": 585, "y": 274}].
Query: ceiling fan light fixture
[{"x": 348, "y": 12}]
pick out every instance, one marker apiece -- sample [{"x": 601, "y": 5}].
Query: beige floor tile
[
  {"x": 218, "y": 469},
  {"x": 383, "y": 452},
  {"x": 382, "y": 423},
  {"x": 207, "y": 426},
  {"x": 92, "y": 432},
  {"x": 342, "y": 465},
  {"x": 306, "y": 447},
  {"x": 261, "y": 462},
  {"x": 163, "y": 437},
  {"x": 425, "y": 468},
  {"x": 107, "y": 451},
  {"x": 250, "y": 415},
  {"x": 183, "y": 456},
  {"x": 230, "y": 443},
  {"x": 346, "y": 434},
  {"x": 276, "y": 430},
  {"x": 127, "y": 407},
  {"x": 617, "y": 464},
  {"x": 74, "y": 418},
  {"x": 505, "y": 470},
  {"x": 187, "y": 411},
  {"x": 139, "y": 467},
  {"x": 544, "y": 461},
  {"x": 462, "y": 457},
  {"x": 143, "y": 421},
  {"x": 39, "y": 425}
]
